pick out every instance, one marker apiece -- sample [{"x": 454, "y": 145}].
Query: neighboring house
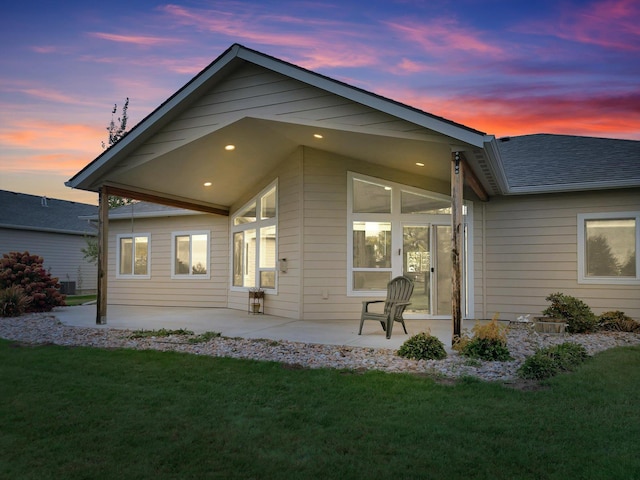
[
  {"x": 320, "y": 192},
  {"x": 52, "y": 229}
]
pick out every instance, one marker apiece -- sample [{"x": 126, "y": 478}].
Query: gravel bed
[{"x": 44, "y": 328}]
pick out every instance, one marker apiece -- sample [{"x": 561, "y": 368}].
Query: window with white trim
[
  {"x": 190, "y": 255},
  {"x": 133, "y": 254},
  {"x": 608, "y": 245},
  {"x": 255, "y": 242},
  {"x": 378, "y": 212}
]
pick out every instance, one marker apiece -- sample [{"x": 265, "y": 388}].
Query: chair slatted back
[{"x": 398, "y": 290}]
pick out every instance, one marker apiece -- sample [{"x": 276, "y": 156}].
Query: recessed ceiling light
[
  {"x": 420, "y": 164},
  {"x": 387, "y": 188},
  {"x": 230, "y": 147},
  {"x": 317, "y": 135},
  {"x": 207, "y": 184}
]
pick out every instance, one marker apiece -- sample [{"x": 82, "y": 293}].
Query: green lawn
[
  {"x": 73, "y": 300},
  {"x": 72, "y": 413}
]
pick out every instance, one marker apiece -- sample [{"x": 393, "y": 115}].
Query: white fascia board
[{"x": 495, "y": 163}]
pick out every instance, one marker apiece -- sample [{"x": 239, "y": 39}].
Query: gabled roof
[
  {"x": 31, "y": 212},
  {"x": 94, "y": 174},
  {"x": 558, "y": 163}
]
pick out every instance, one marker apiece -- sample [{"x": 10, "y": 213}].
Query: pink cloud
[
  {"x": 38, "y": 135},
  {"x": 328, "y": 47},
  {"x": 611, "y": 115},
  {"x": 607, "y": 23},
  {"x": 442, "y": 36},
  {"x": 140, "y": 40}
]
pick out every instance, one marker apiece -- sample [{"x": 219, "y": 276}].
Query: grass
[
  {"x": 89, "y": 413},
  {"x": 74, "y": 300}
]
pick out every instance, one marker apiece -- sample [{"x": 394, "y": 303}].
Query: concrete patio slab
[{"x": 236, "y": 323}]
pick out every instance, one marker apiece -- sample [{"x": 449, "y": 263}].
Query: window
[
  {"x": 254, "y": 239},
  {"x": 190, "y": 254},
  {"x": 133, "y": 255},
  {"x": 607, "y": 248},
  {"x": 395, "y": 229}
]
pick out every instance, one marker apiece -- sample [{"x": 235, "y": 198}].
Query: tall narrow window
[
  {"x": 190, "y": 255},
  {"x": 607, "y": 248},
  {"x": 255, "y": 242},
  {"x": 133, "y": 255}
]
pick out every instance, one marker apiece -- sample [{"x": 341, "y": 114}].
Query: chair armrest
[{"x": 366, "y": 303}]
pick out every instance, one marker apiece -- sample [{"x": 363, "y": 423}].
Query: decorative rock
[{"x": 42, "y": 328}]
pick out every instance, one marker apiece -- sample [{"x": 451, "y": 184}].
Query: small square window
[{"x": 607, "y": 248}]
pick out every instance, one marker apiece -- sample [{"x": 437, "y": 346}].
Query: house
[
  {"x": 319, "y": 193},
  {"x": 52, "y": 229}
]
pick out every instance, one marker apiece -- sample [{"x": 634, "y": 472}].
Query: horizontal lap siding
[
  {"x": 325, "y": 231},
  {"x": 161, "y": 289},
  {"x": 251, "y": 91},
  {"x": 531, "y": 252},
  {"x": 286, "y": 302},
  {"x": 62, "y": 254}
]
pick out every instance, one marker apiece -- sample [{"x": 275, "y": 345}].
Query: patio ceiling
[{"x": 260, "y": 146}]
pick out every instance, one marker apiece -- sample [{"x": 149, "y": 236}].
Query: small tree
[
  {"x": 117, "y": 129},
  {"x": 90, "y": 252}
]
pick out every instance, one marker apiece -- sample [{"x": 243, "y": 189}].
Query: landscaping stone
[{"x": 44, "y": 328}]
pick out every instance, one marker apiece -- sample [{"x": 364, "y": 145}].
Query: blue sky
[{"x": 502, "y": 67}]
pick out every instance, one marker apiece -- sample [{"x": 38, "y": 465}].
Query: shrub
[
  {"x": 547, "y": 362},
  {"x": 26, "y": 271},
  {"x": 617, "y": 321},
  {"x": 576, "y": 313},
  {"x": 13, "y": 301},
  {"x": 423, "y": 346},
  {"x": 489, "y": 342},
  {"x": 538, "y": 367}
]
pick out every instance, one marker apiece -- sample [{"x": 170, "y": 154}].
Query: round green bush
[
  {"x": 547, "y": 362},
  {"x": 486, "y": 349},
  {"x": 538, "y": 367},
  {"x": 423, "y": 346},
  {"x": 577, "y": 314}
]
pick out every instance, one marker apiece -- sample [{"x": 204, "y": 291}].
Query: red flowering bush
[{"x": 26, "y": 271}]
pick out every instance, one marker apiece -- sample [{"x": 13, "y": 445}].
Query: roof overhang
[{"x": 262, "y": 142}]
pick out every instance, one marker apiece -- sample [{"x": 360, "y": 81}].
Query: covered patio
[{"x": 235, "y": 323}]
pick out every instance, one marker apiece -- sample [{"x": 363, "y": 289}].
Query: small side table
[{"x": 256, "y": 302}]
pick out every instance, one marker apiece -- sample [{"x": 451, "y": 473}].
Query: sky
[{"x": 504, "y": 67}]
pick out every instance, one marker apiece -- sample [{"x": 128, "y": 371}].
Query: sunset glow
[{"x": 516, "y": 68}]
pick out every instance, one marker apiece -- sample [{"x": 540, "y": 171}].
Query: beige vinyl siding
[
  {"x": 161, "y": 289},
  {"x": 62, "y": 254},
  {"x": 251, "y": 91},
  {"x": 531, "y": 252},
  {"x": 325, "y": 230},
  {"x": 286, "y": 302}
]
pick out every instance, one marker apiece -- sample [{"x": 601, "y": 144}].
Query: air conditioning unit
[{"x": 68, "y": 288}]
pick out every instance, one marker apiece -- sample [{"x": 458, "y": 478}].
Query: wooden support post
[
  {"x": 103, "y": 241},
  {"x": 457, "y": 233}
]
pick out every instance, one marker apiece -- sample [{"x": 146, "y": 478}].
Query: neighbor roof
[
  {"x": 31, "y": 212},
  {"x": 551, "y": 163}
]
